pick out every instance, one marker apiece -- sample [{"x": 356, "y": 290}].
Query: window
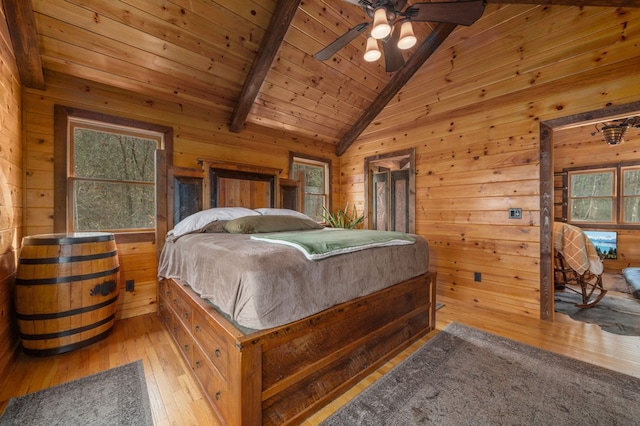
[
  {"x": 592, "y": 196},
  {"x": 631, "y": 195},
  {"x": 605, "y": 196},
  {"x": 316, "y": 175},
  {"x": 111, "y": 177},
  {"x": 106, "y": 173}
]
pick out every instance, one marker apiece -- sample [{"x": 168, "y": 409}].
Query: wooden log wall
[
  {"x": 472, "y": 113},
  {"x": 10, "y": 192},
  {"x": 198, "y": 133}
]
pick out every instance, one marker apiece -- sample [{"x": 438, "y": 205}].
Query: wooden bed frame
[{"x": 284, "y": 374}]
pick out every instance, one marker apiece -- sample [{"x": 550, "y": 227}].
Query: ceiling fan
[{"x": 387, "y": 13}]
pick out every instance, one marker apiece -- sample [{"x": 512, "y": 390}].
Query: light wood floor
[{"x": 177, "y": 400}]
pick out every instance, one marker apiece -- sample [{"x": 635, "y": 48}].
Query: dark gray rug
[
  {"x": 615, "y": 282},
  {"x": 614, "y": 314},
  {"x": 465, "y": 376},
  {"x": 114, "y": 397}
]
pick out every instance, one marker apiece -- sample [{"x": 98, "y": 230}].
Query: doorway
[
  {"x": 390, "y": 191},
  {"x": 547, "y": 128}
]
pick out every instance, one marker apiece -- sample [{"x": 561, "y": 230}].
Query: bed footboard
[{"x": 284, "y": 374}]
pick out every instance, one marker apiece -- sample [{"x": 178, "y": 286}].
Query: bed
[{"x": 280, "y": 363}]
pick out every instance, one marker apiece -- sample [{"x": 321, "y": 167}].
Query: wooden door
[
  {"x": 391, "y": 200},
  {"x": 399, "y": 200}
]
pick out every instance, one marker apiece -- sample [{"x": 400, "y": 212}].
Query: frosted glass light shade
[
  {"x": 372, "y": 53},
  {"x": 381, "y": 27},
  {"x": 407, "y": 38}
]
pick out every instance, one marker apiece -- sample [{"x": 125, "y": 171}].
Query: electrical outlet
[
  {"x": 515, "y": 213},
  {"x": 477, "y": 277},
  {"x": 129, "y": 285}
]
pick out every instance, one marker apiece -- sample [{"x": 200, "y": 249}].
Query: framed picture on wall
[{"x": 606, "y": 243}]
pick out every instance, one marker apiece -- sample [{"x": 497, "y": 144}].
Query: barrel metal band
[
  {"x": 61, "y": 280},
  {"x": 55, "y": 315},
  {"x": 66, "y": 348},
  {"x": 67, "y": 332},
  {"x": 54, "y": 241},
  {"x": 67, "y": 259}
]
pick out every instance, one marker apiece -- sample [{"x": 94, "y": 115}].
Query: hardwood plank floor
[{"x": 176, "y": 398}]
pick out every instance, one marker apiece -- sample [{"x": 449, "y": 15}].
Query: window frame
[
  {"x": 624, "y": 197},
  {"x": 73, "y": 179},
  {"x": 617, "y": 196},
  {"x": 62, "y": 204},
  {"x": 613, "y": 195},
  {"x": 305, "y": 159}
]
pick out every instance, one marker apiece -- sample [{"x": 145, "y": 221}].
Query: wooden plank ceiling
[{"x": 250, "y": 60}]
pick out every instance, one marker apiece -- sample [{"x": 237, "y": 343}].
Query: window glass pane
[
  {"x": 105, "y": 155},
  {"x": 313, "y": 177},
  {"x": 316, "y": 185},
  {"x": 631, "y": 181},
  {"x": 592, "y": 209},
  {"x": 313, "y": 206},
  {"x": 111, "y": 206},
  {"x": 592, "y": 184},
  {"x": 632, "y": 210}
]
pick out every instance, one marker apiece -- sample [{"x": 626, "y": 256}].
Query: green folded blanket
[{"x": 319, "y": 244}]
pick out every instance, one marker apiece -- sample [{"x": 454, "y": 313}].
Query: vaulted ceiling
[{"x": 251, "y": 61}]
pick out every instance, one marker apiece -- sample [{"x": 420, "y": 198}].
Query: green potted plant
[{"x": 342, "y": 218}]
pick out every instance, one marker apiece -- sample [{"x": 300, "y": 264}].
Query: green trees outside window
[
  {"x": 605, "y": 196},
  {"x": 316, "y": 186},
  {"x": 112, "y": 176}
]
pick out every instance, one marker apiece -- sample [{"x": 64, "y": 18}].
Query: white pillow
[
  {"x": 197, "y": 222},
  {"x": 268, "y": 211}
]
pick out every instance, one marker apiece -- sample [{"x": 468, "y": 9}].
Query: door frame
[
  {"x": 547, "y": 128},
  {"x": 406, "y": 155}
]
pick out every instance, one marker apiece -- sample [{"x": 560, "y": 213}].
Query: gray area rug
[
  {"x": 114, "y": 397},
  {"x": 615, "y": 282},
  {"x": 614, "y": 314},
  {"x": 464, "y": 376}
]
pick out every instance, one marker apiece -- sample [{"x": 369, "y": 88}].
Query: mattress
[{"x": 261, "y": 285}]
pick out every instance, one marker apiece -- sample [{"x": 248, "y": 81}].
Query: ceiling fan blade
[
  {"x": 453, "y": 12},
  {"x": 400, "y": 4},
  {"x": 356, "y": 2},
  {"x": 341, "y": 42},
  {"x": 393, "y": 59}
]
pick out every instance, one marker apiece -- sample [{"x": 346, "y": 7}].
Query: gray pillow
[
  {"x": 215, "y": 227},
  {"x": 258, "y": 224}
]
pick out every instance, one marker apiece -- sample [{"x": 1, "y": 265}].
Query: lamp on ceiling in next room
[{"x": 613, "y": 133}]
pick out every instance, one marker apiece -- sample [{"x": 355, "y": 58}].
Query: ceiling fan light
[
  {"x": 407, "y": 38},
  {"x": 381, "y": 27},
  {"x": 372, "y": 53}
]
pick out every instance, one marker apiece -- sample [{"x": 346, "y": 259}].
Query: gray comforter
[{"x": 261, "y": 285}]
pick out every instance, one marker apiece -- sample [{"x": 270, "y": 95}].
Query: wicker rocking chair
[
  {"x": 590, "y": 284},
  {"x": 577, "y": 265}
]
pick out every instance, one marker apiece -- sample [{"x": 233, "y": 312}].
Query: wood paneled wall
[
  {"x": 197, "y": 133},
  {"x": 11, "y": 194},
  {"x": 472, "y": 113}
]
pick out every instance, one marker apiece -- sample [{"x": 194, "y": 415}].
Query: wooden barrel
[{"x": 66, "y": 291}]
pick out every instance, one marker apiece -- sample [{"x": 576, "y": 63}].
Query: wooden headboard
[{"x": 220, "y": 184}]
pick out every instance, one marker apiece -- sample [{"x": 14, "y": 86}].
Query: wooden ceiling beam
[
  {"x": 277, "y": 29},
  {"x": 24, "y": 37},
  {"x": 399, "y": 79}
]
